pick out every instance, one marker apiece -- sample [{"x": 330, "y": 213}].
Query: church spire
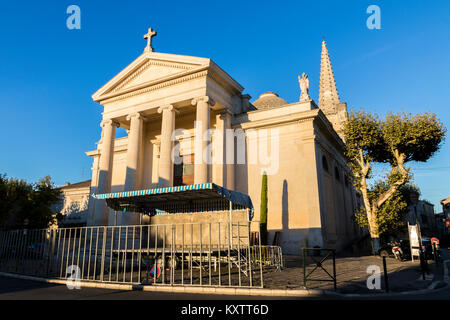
[{"x": 328, "y": 95}]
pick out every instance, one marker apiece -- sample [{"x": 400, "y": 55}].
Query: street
[{"x": 18, "y": 289}]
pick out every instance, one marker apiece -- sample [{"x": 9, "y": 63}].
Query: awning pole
[{"x": 231, "y": 224}]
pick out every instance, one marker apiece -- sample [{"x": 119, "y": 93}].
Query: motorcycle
[{"x": 397, "y": 250}]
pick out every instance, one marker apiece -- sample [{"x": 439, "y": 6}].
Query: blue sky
[{"x": 48, "y": 72}]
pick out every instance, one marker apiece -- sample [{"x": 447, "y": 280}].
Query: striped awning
[{"x": 173, "y": 199}]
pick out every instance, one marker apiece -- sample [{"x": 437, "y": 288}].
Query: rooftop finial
[{"x": 151, "y": 33}]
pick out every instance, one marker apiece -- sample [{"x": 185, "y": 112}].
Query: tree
[
  {"x": 263, "y": 211},
  {"x": 396, "y": 140},
  {"x": 20, "y": 200},
  {"x": 392, "y": 215}
]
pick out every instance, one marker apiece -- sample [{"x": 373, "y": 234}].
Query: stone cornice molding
[
  {"x": 137, "y": 115},
  {"x": 144, "y": 67},
  {"x": 152, "y": 86},
  {"x": 278, "y": 121},
  {"x": 205, "y": 99}
]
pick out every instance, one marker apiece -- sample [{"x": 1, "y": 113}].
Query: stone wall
[{"x": 205, "y": 229}]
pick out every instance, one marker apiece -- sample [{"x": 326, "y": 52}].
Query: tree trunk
[
  {"x": 373, "y": 229},
  {"x": 375, "y": 245}
]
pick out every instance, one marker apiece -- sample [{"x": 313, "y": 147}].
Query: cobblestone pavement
[{"x": 351, "y": 274}]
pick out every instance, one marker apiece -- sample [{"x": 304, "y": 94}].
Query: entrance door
[{"x": 183, "y": 173}]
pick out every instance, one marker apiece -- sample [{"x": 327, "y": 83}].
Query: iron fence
[
  {"x": 203, "y": 254},
  {"x": 271, "y": 256},
  {"x": 318, "y": 256}
]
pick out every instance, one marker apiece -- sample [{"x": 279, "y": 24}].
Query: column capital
[
  {"x": 169, "y": 107},
  {"x": 224, "y": 113},
  {"x": 110, "y": 122},
  {"x": 138, "y": 115},
  {"x": 206, "y": 99}
]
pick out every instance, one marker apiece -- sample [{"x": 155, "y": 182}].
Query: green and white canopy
[{"x": 182, "y": 199}]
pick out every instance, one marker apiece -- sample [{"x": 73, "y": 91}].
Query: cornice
[
  {"x": 155, "y": 85},
  {"x": 276, "y": 121},
  {"x": 144, "y": 67}
]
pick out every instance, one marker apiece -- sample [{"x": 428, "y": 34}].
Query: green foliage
[
  {"x": 20, "y": 200},
  {"x": 417, "y": 137},
  {"x": 392, "y": 214},
  {"x": 396, "y": 139},
  {"x": 263, "y": 211},
  {"x": 363, "y": 132}
]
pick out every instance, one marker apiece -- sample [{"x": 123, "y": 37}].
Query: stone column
[
  {"x": 133, "y": 151},
  {"x": 219, "y": 151},
  {"x": 155, "y": 161},
  {"x": 229, "y": 150},
  {"x": 133, "y": 156},
  {"x": 165, "y": 158},
  {"x": 101, "y": 213},
  {"x": 202, "y": 139}
]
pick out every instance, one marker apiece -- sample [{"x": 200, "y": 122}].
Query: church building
[{"x": 189, "y": 122}]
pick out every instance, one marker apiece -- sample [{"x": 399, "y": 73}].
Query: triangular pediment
[{"x": 149, "y": 68}]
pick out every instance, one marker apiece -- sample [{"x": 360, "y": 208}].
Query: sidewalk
[{"x": 352, "y": 275}]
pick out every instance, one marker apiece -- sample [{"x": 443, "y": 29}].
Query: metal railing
[
  {"x": 202, "y": 254},
  {"x": 271, "y": 256},
  {"x": 318, "y": 256}
]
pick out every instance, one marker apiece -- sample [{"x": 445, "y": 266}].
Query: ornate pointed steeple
[
  {"x": 329, "y": 102},
  {"x": 328, "y": 95}
]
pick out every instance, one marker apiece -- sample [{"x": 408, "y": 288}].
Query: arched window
[
  {"x": 336, "y": 174},
  {"x": 325, "y": 163}
]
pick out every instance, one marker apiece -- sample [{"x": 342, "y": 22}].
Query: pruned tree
[{"x": 397, "y": 139}]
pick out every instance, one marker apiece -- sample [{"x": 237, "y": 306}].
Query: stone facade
[
  {"x": 167, "y": 103},
  {"x": 74, "y": 204},
  {"x": 446, "y": 207},
  {"x": 422, "y": 212}
]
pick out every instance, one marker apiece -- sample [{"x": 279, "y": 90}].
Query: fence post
[
  {"x": 435, "y": 253},
  {"x": 386, "y": 280},
  {"x": 304, "y": 267},
  {"x": 334, "y": 270},
  {"x": 103, "y": 254},
  {"x": 422, "y": 264}
]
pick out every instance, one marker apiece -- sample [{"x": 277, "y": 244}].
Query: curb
[
  {"x": 86, "y": 284},
  {"x": 431, "y": 288},
  {"x": 238, "y": 291},
  {"x": 232, "y": 291}
]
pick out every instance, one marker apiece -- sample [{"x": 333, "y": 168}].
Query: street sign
[
  {"x": 434, "y": 240},
  {"x": 414, "y": 240}
]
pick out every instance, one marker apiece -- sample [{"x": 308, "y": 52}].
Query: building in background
[
  {"x": 446, "y": 207},
  {"x": 74, "y": 204}
]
